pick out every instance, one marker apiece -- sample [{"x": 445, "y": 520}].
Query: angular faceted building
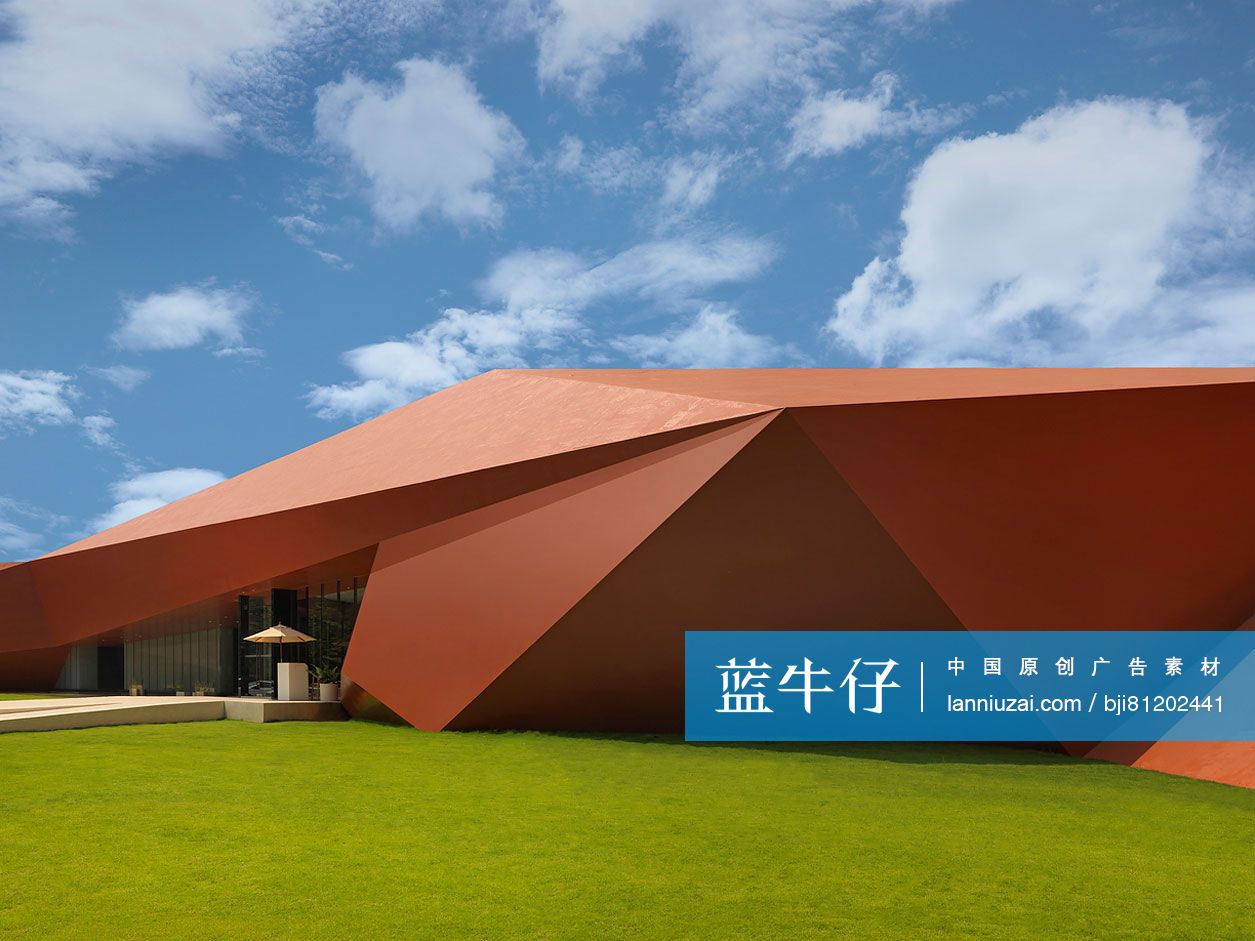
[{"x": 526, "y": 549}]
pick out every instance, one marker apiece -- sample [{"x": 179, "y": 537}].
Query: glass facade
[
  {"x": 201, "y": 648},
  {"x": 326, "y": 610},
  {"x": 181, "y": 662}
]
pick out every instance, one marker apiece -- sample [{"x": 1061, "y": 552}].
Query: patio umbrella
[{"x": 279, "y": 634}]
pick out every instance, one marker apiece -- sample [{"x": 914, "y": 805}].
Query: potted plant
[
  {"x": 203, "y": 689},
  {"x": 179, "y": 690},
  {"x": 328, "y": 679},
  {"x": 137, "y": 688}
]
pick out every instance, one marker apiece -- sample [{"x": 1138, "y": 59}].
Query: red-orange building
[{"x": 526, "y": 549}]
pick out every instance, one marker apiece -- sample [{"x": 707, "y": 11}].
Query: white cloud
[
  {"x": 713, "y": 339},
  {"x": 605, "y": 169},
  {"x": 301, "y": 229},
  {"x": 684, "y": 183},
  {"x": 86, "y": 87},
  {"x": 1095, "y": 233},
  {"x": 17, "y": 539},
  {"x": 36, "y": 397},
  {"x": 691, "y": 182},
  {"x": 657, "y": 270},
  {"x": 428, "y": 146},
  {"x": 334, "y": 260},
  {"x": 126, "y": 378},
  {"x": 539, "y": 298},
  {"x": 730, "y": 51},
  {"x": 145, "y": 492},
  {"x": 99, "y": 430},
  {"x": 570, "y": 156},
  {"x": 185, "y": 317},
  {"x": 832, "y": 123},
  {"x": 29, "y": 398},
  {"x": 458, "y": 345}
]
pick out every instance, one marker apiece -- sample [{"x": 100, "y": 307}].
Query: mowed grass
[
  {"x": 7, "y": 697},
  {"x": 356, "y": 830}
]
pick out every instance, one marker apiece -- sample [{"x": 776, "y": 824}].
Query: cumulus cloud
[
  {"x": 36, "y": 397},
  {"x": 426, "y": 147},
  {"x": 126, "y": 378},
  {"x": 835, "y": 122},
  {"x": 187, "y": 316},
  {"x": 1096, "y": 233},
  {"x": 538, "y": 299},
  {"x": 143, "y": 493},
  {"x": 86, "y": 87},
  {"x": 31, "y": 398},
  {"x": 729, "y": 51},
  {"x": 714, "y": 338}
]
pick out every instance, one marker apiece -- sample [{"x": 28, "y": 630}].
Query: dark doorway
[{"x": 110, "y": 668}]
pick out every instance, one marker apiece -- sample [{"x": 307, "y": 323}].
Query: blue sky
[{"x": 232, "y": 229}]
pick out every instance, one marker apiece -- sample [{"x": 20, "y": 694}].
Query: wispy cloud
[
  {"x": 99, "y": 430},
  {"x": 303, "y": 230},
  {"x": 36, "y": 397},
  {"x": 714, "y": 338},
  {"x": 25, "y": 530},
  {"x": 142, "y": 493},
  {"x": 838, "y": 121},
  {"x": 731, "y": 54},
  {"x": 126, "y": 378},
  {"x": 538, "y": 300}
]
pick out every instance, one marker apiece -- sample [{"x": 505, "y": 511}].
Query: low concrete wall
[
  {"x": 271, "y": 710},
  {"x": 47, "y": 715},
  {"x": 197, "y": 709}
]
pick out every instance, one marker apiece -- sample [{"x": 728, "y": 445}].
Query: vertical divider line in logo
[{"x": 921, "y": 687}]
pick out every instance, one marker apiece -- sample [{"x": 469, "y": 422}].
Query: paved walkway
[{"x": 83, "y": 712}]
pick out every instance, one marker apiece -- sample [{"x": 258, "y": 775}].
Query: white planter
[
  {"x": 293, "y": 682},
  {"x": 180, "y": 692},
  {"x": 328, "y": 692}
]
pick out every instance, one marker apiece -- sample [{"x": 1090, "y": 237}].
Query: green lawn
[
  {"x": 355, "y": 830},
  {"x": 4, "y": 697}
]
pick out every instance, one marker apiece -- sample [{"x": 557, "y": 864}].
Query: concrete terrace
[{"x": 45, "y": 715}]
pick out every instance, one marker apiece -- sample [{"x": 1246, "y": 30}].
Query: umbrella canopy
[{"x": 279, "y": 634}]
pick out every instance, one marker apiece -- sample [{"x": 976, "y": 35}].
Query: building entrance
[{"x": 111, "y": 668}]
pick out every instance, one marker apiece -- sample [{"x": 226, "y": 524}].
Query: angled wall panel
[
  {"x": 774, "y": 540},
  {"x": 1120, "y": 508},
  {"x": 452, "y": 605}
]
